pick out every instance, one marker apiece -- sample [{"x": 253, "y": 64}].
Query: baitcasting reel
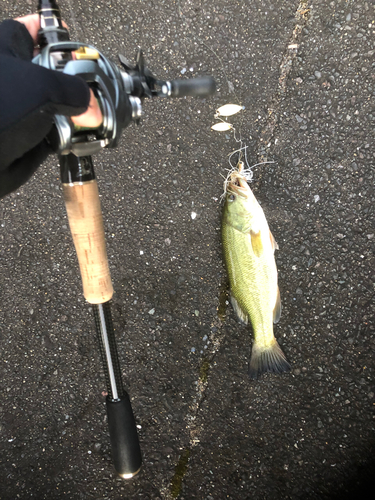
[{"x": 119, "y": 91}]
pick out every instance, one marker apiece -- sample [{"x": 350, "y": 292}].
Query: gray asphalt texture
[{"x": 305, "y": 73}]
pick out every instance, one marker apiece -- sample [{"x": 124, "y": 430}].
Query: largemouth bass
[{"x": 249, "y": 249}]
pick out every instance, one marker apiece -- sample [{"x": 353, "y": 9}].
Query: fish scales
[
  {"x": 248, "y": 248},
  {"x": 253, "y": 273}
]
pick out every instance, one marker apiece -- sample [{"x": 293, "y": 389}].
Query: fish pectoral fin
[
  {"x": 274, "y": 244},
  {"x": 256, "y": 243},
  {"x": 242, "y": 316},
  {"x": 277, "y": 308}
]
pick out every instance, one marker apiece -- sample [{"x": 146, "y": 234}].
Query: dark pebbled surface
[{"x": 308, "y": 434}]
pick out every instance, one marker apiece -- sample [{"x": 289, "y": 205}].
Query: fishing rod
[{"x": 120, "y": 92}]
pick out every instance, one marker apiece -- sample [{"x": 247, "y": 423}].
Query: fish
[{"x": 248, "y": 249}]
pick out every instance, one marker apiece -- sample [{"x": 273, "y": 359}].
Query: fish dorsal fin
[
  {"x": 274, "y": 244},
  {"x": 242, "y": 316},
  {"x": 256, "y": 243},
  {"x": 277, "y": 308}
]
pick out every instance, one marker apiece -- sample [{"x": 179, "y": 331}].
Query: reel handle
[{"x": 194, "y": 87}]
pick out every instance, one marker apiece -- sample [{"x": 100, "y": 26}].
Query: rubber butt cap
[{"x": 126, "y": 452}]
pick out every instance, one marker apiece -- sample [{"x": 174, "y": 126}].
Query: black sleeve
[
  {"x": 15, "y": 40},
  {"x": 29, "y": 98}
]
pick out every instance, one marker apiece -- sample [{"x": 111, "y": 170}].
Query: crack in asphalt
[
  {"x": 302, "y": 17},
  {"x": 194, "y": 428},
  {"x": 172, "y": 487}
]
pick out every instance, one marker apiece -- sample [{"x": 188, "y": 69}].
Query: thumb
[
  {"x": 30, "y": 96},
  {"x": 58, "y": 93},
  {"x": 66, "y": 95},
  {"x": 92, "y": 118},
  {"x": 28, "y": 90}
]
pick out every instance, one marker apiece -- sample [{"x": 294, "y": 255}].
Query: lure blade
[
  {"x": 221, "y": 127},
  {"x": 229, "y": 109}
]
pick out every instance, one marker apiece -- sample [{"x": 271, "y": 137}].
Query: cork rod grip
[{"x": 86, "y": 224}]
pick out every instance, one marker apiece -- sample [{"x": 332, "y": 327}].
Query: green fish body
[{"x": 249, "y": 248}]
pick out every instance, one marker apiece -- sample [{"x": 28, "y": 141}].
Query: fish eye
[{"x": 232, "y": 197}]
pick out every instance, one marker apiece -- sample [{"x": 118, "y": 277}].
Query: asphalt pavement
[{"x": 304, "y": 72}]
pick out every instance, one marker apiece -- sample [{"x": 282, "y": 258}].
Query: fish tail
[{"x": 267, "y": 359}]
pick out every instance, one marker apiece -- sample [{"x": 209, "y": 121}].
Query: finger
[
  {"x": 32, "y": 24},
  {"x": 91, "y": 118}
]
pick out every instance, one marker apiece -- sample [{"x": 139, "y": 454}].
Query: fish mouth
[{"x": 238, "y": 185}]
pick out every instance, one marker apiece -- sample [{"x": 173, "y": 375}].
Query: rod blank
[{"x": 126, "y": 452}]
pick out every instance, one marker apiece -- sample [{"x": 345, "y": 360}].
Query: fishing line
[
  {"x": 229, "y": 83},
  {"x": 242, "y": 150},
  {"x": 237, "y": 134}
]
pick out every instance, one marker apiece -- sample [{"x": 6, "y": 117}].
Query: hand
[
  {"x": 30, "y": 96},
  {"x": 32, "y": 24},
  {"x": 93, "y": 116}
]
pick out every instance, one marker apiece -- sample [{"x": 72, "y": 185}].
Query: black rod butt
[{"x": 126, "y": 452}]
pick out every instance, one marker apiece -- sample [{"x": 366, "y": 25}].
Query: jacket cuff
[{"x": 15, "y": 40}]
